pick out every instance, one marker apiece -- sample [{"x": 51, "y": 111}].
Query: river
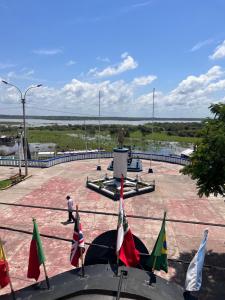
[{"x": 44, "y": 122}]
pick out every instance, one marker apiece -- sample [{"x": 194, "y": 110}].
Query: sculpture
[{"x": 121, "y": 135}]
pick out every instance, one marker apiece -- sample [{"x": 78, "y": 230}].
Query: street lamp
[{"x": 23, "y": 100}]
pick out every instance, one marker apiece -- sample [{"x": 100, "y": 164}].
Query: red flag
[
  {"x": 126, "y": 250},
  {"x": 77, "y": 242},
  {"x": 129, "y": 255},
  {"x": 36, "y": 257},
  {"x": 4, "y": 274}
]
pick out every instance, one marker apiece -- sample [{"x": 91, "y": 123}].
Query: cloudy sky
[{"x": 122, "y": 48}]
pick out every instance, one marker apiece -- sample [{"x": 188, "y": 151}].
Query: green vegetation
[
  {"x": 208, "y": 161},
  {"x": 75, "y": 137},
  {"x": 5, "y": 183},
  {"x": 11, "y": 181},
  {"x": 139, "y": 137}
]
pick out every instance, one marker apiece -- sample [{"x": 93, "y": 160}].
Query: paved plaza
[{"x": 174, "y": 193}]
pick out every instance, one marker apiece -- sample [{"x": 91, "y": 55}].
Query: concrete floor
[{"x": 174, "y": 193}]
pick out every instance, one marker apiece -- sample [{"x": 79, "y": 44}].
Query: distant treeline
[
  {"x": 77, "y": 118},
  {"x": 190, "y": 129}
]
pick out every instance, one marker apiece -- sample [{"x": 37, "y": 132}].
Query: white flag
[
  {"x": 194, "y": 273},
  {"x": 120, "y": 229}
]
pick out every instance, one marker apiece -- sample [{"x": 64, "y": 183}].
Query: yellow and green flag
[{"x": 158, "y": 258}]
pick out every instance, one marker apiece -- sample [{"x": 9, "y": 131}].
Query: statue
[{"x": 121, "y": 135}]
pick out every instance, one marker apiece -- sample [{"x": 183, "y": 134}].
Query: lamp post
[
  {"x": 19, "y": 142},
  {"x": 23, "y": 101}
]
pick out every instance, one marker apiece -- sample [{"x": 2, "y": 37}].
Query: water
[
  {"x": 163, "y": 148},
  {"x": 43, "y": 122}
]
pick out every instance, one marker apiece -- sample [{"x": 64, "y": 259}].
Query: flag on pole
[
  {"x": 77, "y": 242},
  {"x": 36, "y": 257},
  {"x": 194, "y": 273},
  {"x": 4, "y": 274},
  {"x": 158, "y": 258},
  {"x": 125, "y": 246}
]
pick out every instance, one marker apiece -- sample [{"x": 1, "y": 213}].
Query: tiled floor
[{"x": 174, "y": 193}]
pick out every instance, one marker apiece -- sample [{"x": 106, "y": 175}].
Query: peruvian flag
[
  {"x": 77, "y": 242},
  {"x": 125, "y": 246},
  {"x": 36, "y": 257}
]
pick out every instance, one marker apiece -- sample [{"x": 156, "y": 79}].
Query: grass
[
  {"x": 67, "y": 138},
  {"x": 5, "y": 183},
  {"x": 74, "y": 139}
]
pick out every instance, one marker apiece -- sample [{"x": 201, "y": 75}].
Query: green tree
[{"x": 208, "y": 161}]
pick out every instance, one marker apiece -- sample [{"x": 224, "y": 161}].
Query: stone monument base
[{"x": 110, "y": 187}]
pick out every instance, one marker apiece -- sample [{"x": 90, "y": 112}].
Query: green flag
[{"x": 158, "y": 257}]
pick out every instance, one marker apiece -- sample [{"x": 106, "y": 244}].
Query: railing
[{"x": 46, "y": 163}]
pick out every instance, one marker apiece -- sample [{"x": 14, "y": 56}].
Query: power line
[
  {"x": 115, "y": 214},
  {"x": 102, "y": 246}
]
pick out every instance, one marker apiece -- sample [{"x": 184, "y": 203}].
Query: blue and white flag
[{"x": 194, "y": 273}]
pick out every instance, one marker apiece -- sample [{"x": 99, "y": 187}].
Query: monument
[
  {"x": 110, "y": 186},
  {"x": 133, "y": 164}
]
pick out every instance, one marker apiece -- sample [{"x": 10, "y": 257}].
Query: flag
[
  {"x": 158, "y": 257},
  {"x": 125, "y": 246},
  {"x": 120, "y": 229},
  {"x": 194, "y": 273},
  {"x": 4, "y": 274},
  {"x": 36, "y": 257},
  {"x": 77, "y": 242}
]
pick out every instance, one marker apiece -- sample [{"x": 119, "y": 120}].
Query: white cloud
[
  {"x": 191, "y": 96},
  {"x": 48, "y": 51},
  {"x": 70, "y": 63},
  {"x": 124, "y": 54},
  {"x": 196, "y": 90},
  {"x": 144, "y": 80},
  {"x": 141, "y": 4},
  {"x": 103, "y": 59},
  {"x": 219, "y": 52},
  {"x": 127, "y": 64},
  {"x": 201, "y": 44},
  {"x": 6, "y": 65},
  {"x": 135, "y": 6}
]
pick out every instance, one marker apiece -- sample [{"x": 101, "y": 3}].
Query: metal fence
[{"x": 46, "y": 163}]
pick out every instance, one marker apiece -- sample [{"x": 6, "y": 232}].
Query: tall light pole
[{"x": 23, "y": 101}]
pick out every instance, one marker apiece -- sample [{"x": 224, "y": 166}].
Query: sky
[{"x": 122, "y": 48}]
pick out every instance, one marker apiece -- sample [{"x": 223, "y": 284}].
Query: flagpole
[
  {"x": 46, "y": 277},
  {"x": 81, "y": 250},
  {"x": 7, "y": 271}
]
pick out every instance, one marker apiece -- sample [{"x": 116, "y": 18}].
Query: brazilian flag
[{"x": 158, "y": 257}]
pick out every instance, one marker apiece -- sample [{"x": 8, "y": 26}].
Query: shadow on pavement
[{"x": 213, "y": 279}]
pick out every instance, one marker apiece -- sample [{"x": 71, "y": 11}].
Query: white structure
[
  {"x": 120, "y": 156},
  {"x": 187, "y": 153}
]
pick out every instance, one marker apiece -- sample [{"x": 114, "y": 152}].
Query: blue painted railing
[{"x": 46, "y": 163}]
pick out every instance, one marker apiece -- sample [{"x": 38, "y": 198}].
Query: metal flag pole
[
  {"x": 46, "y": 277},
  {"x": 81, "y": 250},
  {"x": 153, "y": 109},
  {"x": 150, "y": 170},
  {"x": 85, "y": 135},
  {"x": 99, "y": 130}
]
